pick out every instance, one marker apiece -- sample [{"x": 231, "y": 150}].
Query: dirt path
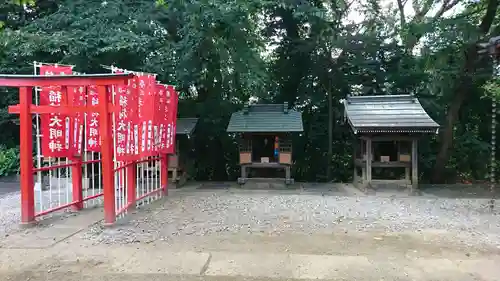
[
  {"x": 362, "y": 256},
  {"x": 74, "y": 250}
]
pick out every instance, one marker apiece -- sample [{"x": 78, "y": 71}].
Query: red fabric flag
[
  {"x": 172, "y": 100},
  {"x": 93, "y": 139},
  {"x": 79, "y": 96},
  {"x": 124, "y": 99},
  {"x": 142, "y": 115},
  {"x": 55, "y": 127},
  {"x": 161, "y": 117},
  {"x": 174, "y": 118},
  {"x": 149, "y": 114},
  {"x": 133, "y": 133},
  {"x": 159, "y": 100}
]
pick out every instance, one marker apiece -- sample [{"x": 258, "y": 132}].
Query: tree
[{"x": 463, "y": 86}]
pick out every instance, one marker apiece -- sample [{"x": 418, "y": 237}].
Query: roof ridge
[{"x": 382, "y": 98}]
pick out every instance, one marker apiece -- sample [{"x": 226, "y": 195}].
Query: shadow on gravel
[
  {"x": 7, "y": 187},
  {"x": 477, "y": 191}
]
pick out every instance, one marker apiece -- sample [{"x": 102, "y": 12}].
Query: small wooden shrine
[
  {"x": 178, "y": 163},
  {"x": 265, "y": 143},
  {"x": 386, "y": 133}
]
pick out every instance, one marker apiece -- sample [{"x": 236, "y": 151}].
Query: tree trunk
[
  {"x": 330, "y": 136},
  {"x": 446, "y": 136}
]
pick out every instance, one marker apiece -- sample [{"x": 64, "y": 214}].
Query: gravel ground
[
  {"x": 10, "y": 208},
  {"x": 220, "y": 212},
  {"x": 10, "y": 213}
]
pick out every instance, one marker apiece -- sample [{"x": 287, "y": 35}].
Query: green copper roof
[{"x": 266, "y": 118}]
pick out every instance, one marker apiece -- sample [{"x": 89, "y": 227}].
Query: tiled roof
[
  {"x": 388, "y": 113},
  {"x": 185, "y": 126},
  {"x": 266, "y": 118}
]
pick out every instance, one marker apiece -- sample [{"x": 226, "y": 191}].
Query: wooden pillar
[
  {"x": 407, "y": 169},
  {"x": 362, "y": 146},
  {"x": 163, "y": 173},
  {"x": 243, "y": 172},
  {"x": 355, "y": 169},
  {"x": 287, "y": 173},
  {"x": 26, "y": 156},
  {"x": 368, "y": 163},
  {"x": 414, "y": 164},
  {"x": 108, "y": 175}
]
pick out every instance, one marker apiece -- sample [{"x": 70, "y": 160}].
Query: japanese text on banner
[
  {"x": 93, "y": 138},
  {"x": 161, "y": 118},
  {"x": 123, "y": 120},
  {"x": 79, "y": 95},
  {"x": 172, "y": 100},
  {"x": 55, "y": 127},
  {"x": 145, "y": 114}
]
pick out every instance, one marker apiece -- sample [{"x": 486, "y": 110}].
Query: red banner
[
  {"x": 149, "y": 115},
  {"x": 124, "y": 98},
  {"x": 92, "y": 135},
  {"x": 172, "y": 100},
  {"x": 145, "y": 114},
  {"x": 55, "y": 128},
  {"x": 141, "y": 117},
  {"x": 79, "y": 95},
  {"x": 134, "y": 133},
  {"x": 162, "y": 118},
  {"x": 174, "y": 118}
]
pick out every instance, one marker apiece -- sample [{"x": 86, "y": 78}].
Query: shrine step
[
  {"x": 390, "y": 184},
  {"x": 268, "y": 183}
]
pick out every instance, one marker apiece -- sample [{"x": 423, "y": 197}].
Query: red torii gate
[{"x": 26, "y": 108}]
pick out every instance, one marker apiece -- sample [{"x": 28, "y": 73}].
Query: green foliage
[
  {"x": 492, "y": 88},
  {"x": 9, "y": 161}
]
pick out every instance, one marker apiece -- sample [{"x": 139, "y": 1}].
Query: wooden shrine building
[
  {"x": 178, "y": 162},
  {"x": 265, "y": 143},
  {"x": 386, "y": 132}
]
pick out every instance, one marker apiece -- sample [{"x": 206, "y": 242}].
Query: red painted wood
[
  {"x": 60, "y": 80},
  {"x": 26, "y": 157},
  {"x": 68, "y": 110},
  {"x": 107, "y": 158},
  {"x": 164, "y": 173}
]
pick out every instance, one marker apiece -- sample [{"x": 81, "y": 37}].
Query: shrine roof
[
  {"x": 268, "y": 118},
  {"x": 185, "y": 126},
  {"x": 387, "y": 114}
]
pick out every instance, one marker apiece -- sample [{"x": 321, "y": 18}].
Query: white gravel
[
  {"x": 208, "y": 213},
  {"x": 10, "y": 213},
  {"x": 10, "y": 209}
]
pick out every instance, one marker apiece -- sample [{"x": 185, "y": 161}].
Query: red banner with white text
[
  {"x": 144, "y": 123},
  {"x": 124, "y": 120},
  {"x": 56, "y": 129},
  {"x": 92, "y": 134},
  {"x": 78, "y": 97},
  {"x": 161, "y": 118},
  {"x": 172, "y": 100}
]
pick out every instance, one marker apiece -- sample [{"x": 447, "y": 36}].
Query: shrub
[{"x": 9, "y": 161}]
